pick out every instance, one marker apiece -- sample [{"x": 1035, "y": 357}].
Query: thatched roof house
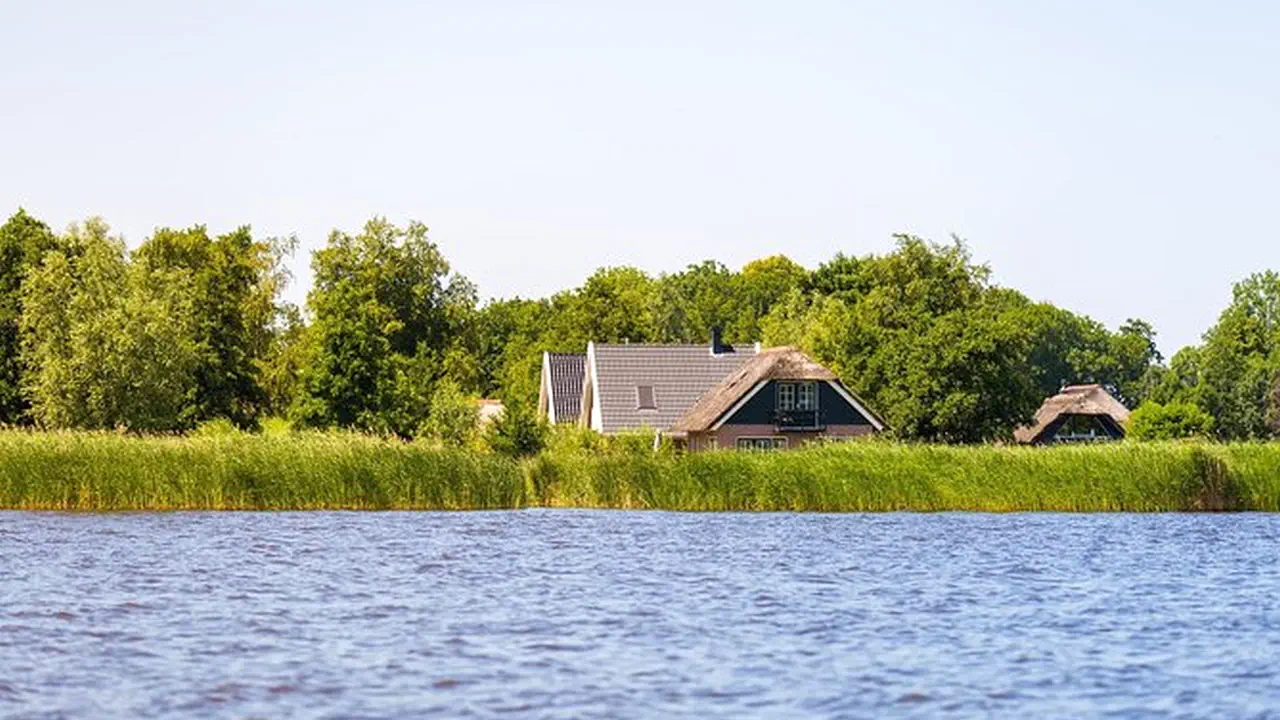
[
  {"x": 778, "y": 399},
  {"x": 1080, "y": 413},
  {"x": 780, "y": 363}
]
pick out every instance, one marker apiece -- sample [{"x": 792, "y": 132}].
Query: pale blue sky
[{"x": 1117, "y": 158}]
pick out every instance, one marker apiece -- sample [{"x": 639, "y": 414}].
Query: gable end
[{"x": 760, "y": 405}]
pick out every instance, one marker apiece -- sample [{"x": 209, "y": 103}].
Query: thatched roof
[
  {"x": 780, "y": 363},
  {"x": 1073, "y": 400}
]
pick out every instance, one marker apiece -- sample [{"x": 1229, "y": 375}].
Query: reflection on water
[{"x": 615, "y": 614}]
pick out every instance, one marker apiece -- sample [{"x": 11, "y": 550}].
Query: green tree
[
  {"x": 1070, "y": 349},
  {"x": 841, "y": 277},
  {"x": 1239, "y": 362},
  {"x": 764, "y": 283},
  {"x": 1174, "y": 383},
  {"x": 688, "y": 304},
  {"x": 511, "y": 337},
  {"x": 24, "y": 241},
  {"x": 286, "y": 356},
  {"x": 108, "y": 343},
  {"x": 236, "y": 281},
  {"x": 386, "y": 309},
  {"x": 615, "y": 304},
  {"x": 964, "y": 378}
]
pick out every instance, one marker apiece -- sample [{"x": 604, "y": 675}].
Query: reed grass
[
  {"x": 315, "y": 471},
  {"x": 881, "y": 476},
  {"x": 301, "y": 471}
]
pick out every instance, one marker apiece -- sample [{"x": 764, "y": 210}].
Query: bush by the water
[
  {"x": 1172, "y": 421},
  {"x": 517, "y": 431}
]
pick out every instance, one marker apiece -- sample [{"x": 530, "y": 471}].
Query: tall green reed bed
[
  {"x": 879, "y": 476},
  {"x": 304, "y": 471}
]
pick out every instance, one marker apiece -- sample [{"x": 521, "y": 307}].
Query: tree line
[{"x": 191, "y": 327}]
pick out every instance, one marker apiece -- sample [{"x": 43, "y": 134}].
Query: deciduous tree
[
  {"x": 386, "y": 307},
  {"x": 23, "y": 242},
  {"x": 109, "y": 344}
]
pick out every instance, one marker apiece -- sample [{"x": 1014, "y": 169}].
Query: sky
[{"x": 1115, "y": 157}]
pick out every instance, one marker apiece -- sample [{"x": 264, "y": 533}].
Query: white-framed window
[
  {"x": 797, "y": 396},
  {"x": 786, "y": 396},
  {"x": 762, "y": 443},
  {"x": 806, "y": 396},
  {"x": 646, "y": 399}
]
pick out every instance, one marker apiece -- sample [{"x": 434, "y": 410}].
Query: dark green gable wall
[{"x": 759, "y": 409}]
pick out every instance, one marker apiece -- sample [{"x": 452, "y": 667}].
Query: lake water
[{"x": 617, "y": 614}]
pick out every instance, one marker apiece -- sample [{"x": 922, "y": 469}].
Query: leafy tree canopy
[
  {"x": 24, "y": 241},
  {"x": 386, "y": 308}
]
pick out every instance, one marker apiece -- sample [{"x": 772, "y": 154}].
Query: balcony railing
[{"x": 799, "y": 420}]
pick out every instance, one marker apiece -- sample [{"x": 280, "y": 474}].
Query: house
[
  {"x": 708, "y": 396},
  {"x": 633, "y": 386},
  {"x": 560, "y": 394},
  {"x": 1080, "y": 413},
  {"x": 779, "y": 398}
]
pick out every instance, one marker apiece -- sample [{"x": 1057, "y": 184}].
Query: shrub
[
  {"x": 1176, "y": 420},
  {"x": 217, "y": 427},
  {"x": 517, "y": 432},
  {"x": 453, "y": 417}
]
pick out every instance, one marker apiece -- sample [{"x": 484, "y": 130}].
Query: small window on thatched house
[
  {"x": 786, "y": 396},
  {"x": 806, "y": 396},
  {"x": 762, "y": 443},
  {"x": 797, "y": 396}
]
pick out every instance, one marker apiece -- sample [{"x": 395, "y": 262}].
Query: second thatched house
[{"x": 1080, "y": 413}]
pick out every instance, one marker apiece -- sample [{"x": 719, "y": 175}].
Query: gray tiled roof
[
  {"x": 679, "y": 374},
  {"x": 567, "y": 370}
]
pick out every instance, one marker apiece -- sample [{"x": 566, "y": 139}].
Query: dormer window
[{"x": 645, "y": 399}]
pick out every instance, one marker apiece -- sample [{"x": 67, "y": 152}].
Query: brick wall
[{"x": 727, "y": 436}]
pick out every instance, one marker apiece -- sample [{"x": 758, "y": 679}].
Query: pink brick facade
[{"x": 728, "y": 435}]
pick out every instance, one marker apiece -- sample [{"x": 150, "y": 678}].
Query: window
[
  {"x": 762, "y": 443},
  {"x": 797, "y": 396},
  {"x": 786, "y": 396},
  {"x": 807, "y": 396},
  {"x": 645, "y": 399}
]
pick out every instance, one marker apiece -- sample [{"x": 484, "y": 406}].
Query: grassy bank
[{"x": 81, "y": 471}]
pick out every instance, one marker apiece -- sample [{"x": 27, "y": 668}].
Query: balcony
[{"x": 799, "y": 420}]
